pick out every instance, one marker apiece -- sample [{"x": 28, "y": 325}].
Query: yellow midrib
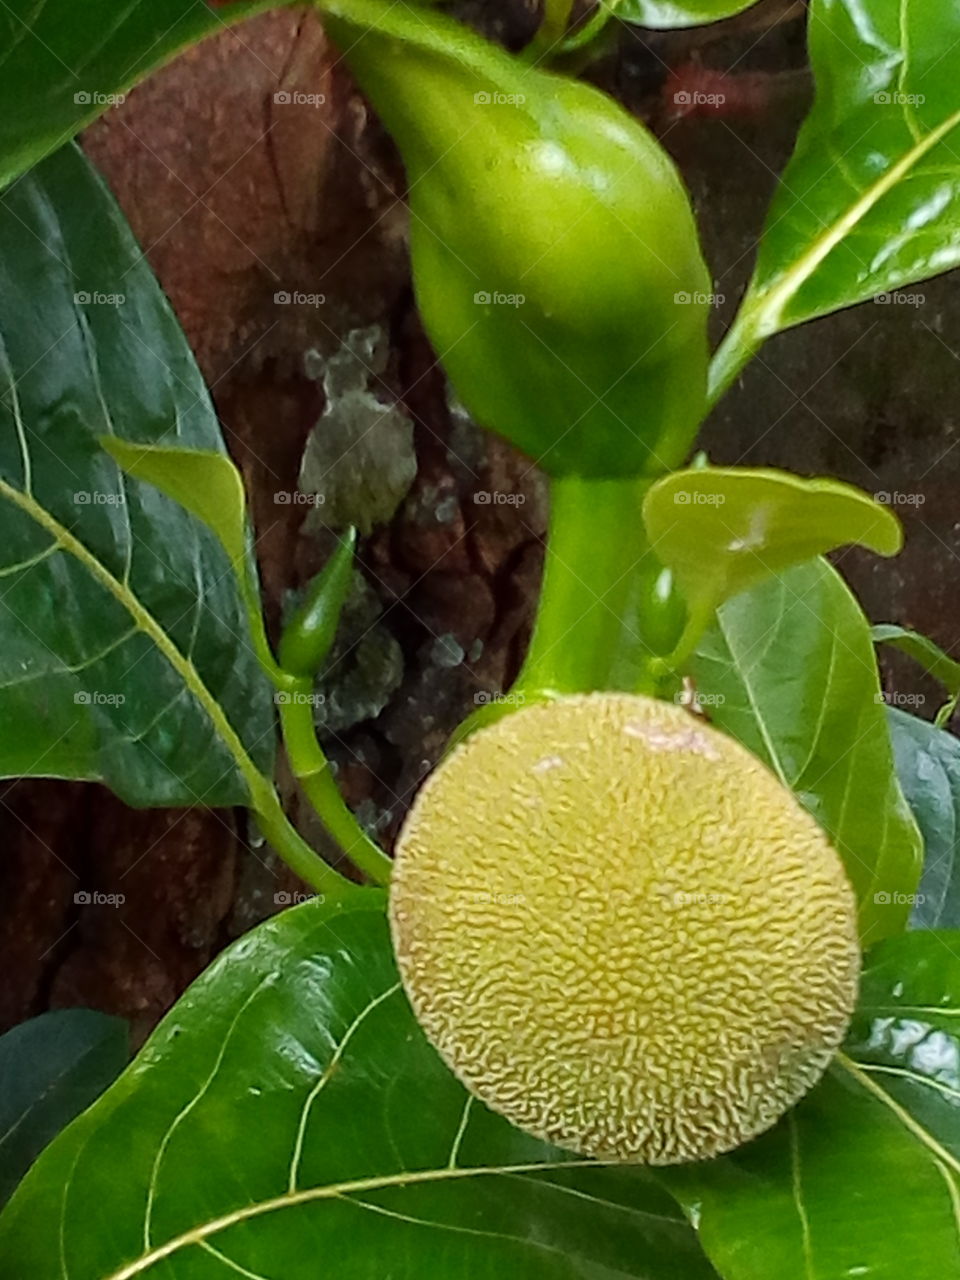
[
  {"x": 766, "y": 315},
  {"x": 937, "y": 1150},
  {"x": 147, "y": 623},
  {"x": 197, "y": 1235}
]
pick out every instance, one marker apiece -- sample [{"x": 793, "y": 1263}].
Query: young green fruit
[
  {"x": 555, "y": 256},
  {"x": 309, "y": 634},
  {"x": 621, "y": 931}
]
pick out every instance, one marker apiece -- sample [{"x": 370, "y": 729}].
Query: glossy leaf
[
  {"x": 862, "y": 1180},
  {"x": 677, "y": 13},
  {"x": 928, "y": 766},
  {"x": 930, "y": 656},
  {"x": 125, "y": 652},
  {"x": 62, "y": 64},
  {"x": 789, "y": 669},
  {"x": 723, "y": 529},
  {"x": 288, "y": 1119},
  {"x": 51, "y": 1069},
  {"x": 869, "y": 201}
]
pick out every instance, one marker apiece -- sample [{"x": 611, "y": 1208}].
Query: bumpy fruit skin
[
  {"x": 622, "y": 932},
  {"x": 555, "y": 256}
]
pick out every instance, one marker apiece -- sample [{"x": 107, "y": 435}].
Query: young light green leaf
[
  {"x": 863, "y": 1177},
  {"x": 206, "y": 483},
  {"x": 64, "y": 63},
  {"x": 930, "y": 656},
  {"x": 676, "y": 13},
  {"x": 211, "y": 488},
  {"x": 789, "y": 669},
  {"x": 289, "y": 1115},
  {"x": 125, "y": 652},
  {"x": 928, "y": 766},
  {"x": 52, "y": 1068},
  {"x": 869, "y": 200},
  {"x": 724, "y": 529}
]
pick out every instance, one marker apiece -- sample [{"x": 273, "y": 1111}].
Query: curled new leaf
[{"x": 723, "y": 529}]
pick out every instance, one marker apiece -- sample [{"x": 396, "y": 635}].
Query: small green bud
[{"x": 308, "y": 636}]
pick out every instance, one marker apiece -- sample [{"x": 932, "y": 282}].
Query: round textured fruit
[{"x": 621, "y": 931}]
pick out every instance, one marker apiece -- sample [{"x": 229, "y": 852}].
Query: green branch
[{"x": 312, "y": 771}]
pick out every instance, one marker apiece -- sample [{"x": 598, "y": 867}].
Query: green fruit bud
[
  {"x": 555, "y": 254},
  {"x": 309, "y": 635}
]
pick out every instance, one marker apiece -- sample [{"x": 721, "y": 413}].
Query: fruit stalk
[
  {"x": 606, "y": 611},
  {"x": 312, "y": 771}
]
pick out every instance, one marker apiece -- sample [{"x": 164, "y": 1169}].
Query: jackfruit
[{"x": 621, "y": 931}]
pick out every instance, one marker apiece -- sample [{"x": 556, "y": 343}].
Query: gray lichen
[{"x": 359, "y": 461}]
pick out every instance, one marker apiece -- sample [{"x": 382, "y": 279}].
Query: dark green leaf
[
  {"x": 125, "y": 651},
  {"x": 723, "y": 529},
  {"x": 789, "y": 669},
  {"x": 52, "y": 1068},
  {"x": 63, "y": 63},
  {"x": 928, "y": 765},
  {"x": 862, "y": 1179},
  {"x": 676, "y": 13},
  {"x": 869, "y": 201},
  {"x": 929, "y": 655},
  {"x": 289, "y": 1116}
]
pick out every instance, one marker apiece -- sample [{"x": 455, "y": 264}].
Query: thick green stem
[
  {"x": 599, "y": 624},
  {"x": 312, "y": 770},
  {"x": 293, "y": 849}
]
